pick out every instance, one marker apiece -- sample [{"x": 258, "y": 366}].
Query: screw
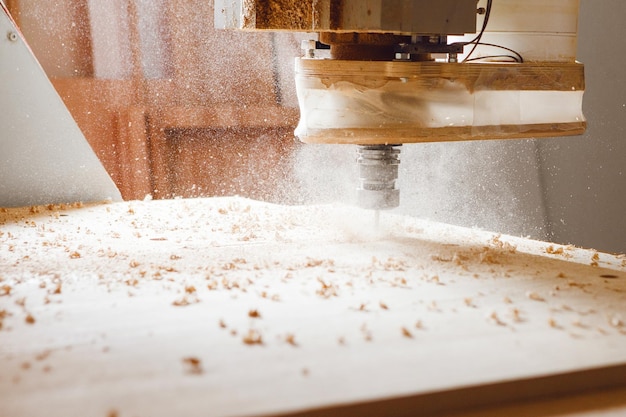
[{"x": 12, "y": 36}]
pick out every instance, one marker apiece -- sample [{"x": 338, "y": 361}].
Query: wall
[{"x": 584, "y": 177}]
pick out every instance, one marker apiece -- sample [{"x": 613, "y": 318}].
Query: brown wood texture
[
  {"x": 541, "y": 76},
  {"x": 443, "y": 134}
]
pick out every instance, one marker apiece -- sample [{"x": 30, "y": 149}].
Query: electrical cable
[
  {"x": 477, "y": 39},
  {"x": 518, "y": 57},
  {"x": 514, "y": 58}
]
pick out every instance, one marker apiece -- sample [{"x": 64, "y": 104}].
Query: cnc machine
[{"x": 381, "y": 73}]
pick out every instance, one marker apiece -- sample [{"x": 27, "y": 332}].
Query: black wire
[
  {"x": 515, "y": 59},
  {"x": 519, "y": 58},
  {"x": 477, "y": 39}
]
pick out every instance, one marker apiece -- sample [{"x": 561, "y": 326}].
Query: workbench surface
[{"x": 228, "y": 306}]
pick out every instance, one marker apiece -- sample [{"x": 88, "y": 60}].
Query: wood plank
[{"x": 229, "y": 306}]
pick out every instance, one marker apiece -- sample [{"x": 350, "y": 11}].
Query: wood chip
[
  {"x": 406, "y": 333},
  {"x": 554, "y": 251},
  {"x": 253, "y": 337},
  {"x": 553, "y": 323},
  {"x": 194, "y": 365},
  {"x": 495, "y": 319},
  {"x": 534, "y": 296},
  {"x": 291, "y": 339}
]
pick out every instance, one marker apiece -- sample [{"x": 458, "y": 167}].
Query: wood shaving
[
  {"x": 327, "y": 290},
  {"x": 554, "y": 251},
  {"x": 494, "y": 318},
  {"x": 254, "y": 314},
  {"x": 553, "y": 323},
  {"x": 194, "y": 365},
  {"x": 291, "y": 339},
  {"x": 57, "y": 288},
  {"x": 435, "y": 279},
  {"x": 43, "y": 355},
  {"x": 383, "y": 306},
  {"x": 253, "y": 337},
  {"x": 595, "y": 258},
  {"x": 406, "y": 333},
  {"x": 432, "y": 306},
  {"x": 186, "y": 300},
  {"x": 532, "y": 295},
  {"x": 367, "y": 334},
  {"x": 5, "y": 290},
  {"x": 503, "y": 245},
  {"x": 487, "y": 257},
  {"x": 516, "y": 315},
  {"x": 3, "y": 315}
]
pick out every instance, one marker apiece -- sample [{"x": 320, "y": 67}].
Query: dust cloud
[{"x": 492, "y": 185}]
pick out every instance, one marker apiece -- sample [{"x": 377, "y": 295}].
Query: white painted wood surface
[{"x": 147, "y": 309}]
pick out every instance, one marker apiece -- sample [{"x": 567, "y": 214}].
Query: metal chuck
[{"x": 378, "y": 172}]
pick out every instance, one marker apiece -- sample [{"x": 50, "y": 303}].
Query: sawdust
[
  {"x": 194, "y": 365},
  {"x": 294, "y": 15},
  {"x": 253, "y": 337},
  {"x": 312, "y": 271}
]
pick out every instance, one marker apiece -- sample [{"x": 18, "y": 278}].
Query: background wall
[{"x": 584, "y": 177}]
